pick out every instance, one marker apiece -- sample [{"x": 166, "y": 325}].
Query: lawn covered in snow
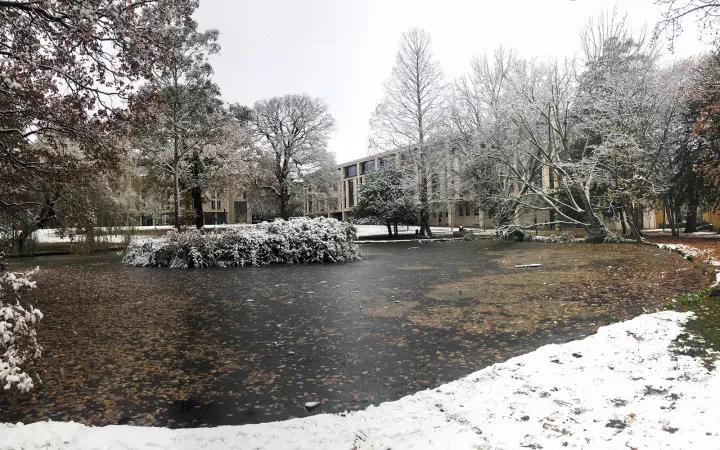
[{"x": 624, "y": 387}]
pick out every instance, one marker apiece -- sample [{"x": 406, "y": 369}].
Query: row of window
[
  {"x": 368, "y": 166},
  {"x": 464, "y": 211},
  {"x": 216, "y": 203}
]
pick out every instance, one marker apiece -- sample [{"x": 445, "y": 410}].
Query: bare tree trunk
[
  {"x": 389, "y": 228},
  {"x": 631, "y": 212},
  {"x": 176, "y": 154},
  {"x": 47, "y": 212},
  {"x": 691, "y": 218},
  {"x": 595, "y": 229},
  {"x": 284, "y": 200},
  {"x": 395, "y": 225},
  {"x": 197, "y": 192},
  {"x": 623, "y": 219},
  {"x": 423, "y": 194},
  {"x": 176, "y": 197},
  {"x": 198, "y": 206}
]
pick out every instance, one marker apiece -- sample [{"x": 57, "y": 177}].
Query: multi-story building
[
  {"x": 227, "y": 207},
  {"x": 221, "y": 206},
  {"x": 448, "y": 207}
]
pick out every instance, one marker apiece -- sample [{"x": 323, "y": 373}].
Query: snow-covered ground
[
  {"x": 621, "y": 388},
  {"x": 381, "y": 230},
  {"x": 691, "y": 252}
]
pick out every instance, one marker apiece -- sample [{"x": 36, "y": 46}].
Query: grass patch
[
  {"x": 688, "y": 301},
  {"x": 703, "y": 333}
]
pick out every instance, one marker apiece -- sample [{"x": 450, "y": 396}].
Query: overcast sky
[{"x": 342, "y": 50}]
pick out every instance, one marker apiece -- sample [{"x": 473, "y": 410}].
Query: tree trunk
[
  {"x": 595, "y": 229},
  {"x": 198, "y": 207},
  {"x": 47, "y": 212},
  {"x": 691, "y": 218},
  {"x": 631, "y": 213},
  {"x": 424, "y": 205},
  {"x": 389, "y": 228},
  {"x": 176, "y": 198},
  {"x": 395, "y": 225},
  {"x": 197, "y": 191},
  {"x": 671, "y": 219},
  {"x": 284, "y": 200}
]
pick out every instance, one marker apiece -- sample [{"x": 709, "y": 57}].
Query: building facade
[
  {"x": 448, "y": 207},
  {"x": 221, "y": 206}
]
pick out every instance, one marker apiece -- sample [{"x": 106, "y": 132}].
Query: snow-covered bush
[
  {"x": 280, "y": 242},
  {"x": 603, "y": 236},
  {"x": 562, "y": 238},
  {"x": 512, "y": 233},
  {"x": 18, "y": 339}
]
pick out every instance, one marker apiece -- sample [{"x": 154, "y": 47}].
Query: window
[
  {"x": 476, "y": 210},
  {"x": 462, "y": 209},
  {"x": 244, "y": 195},
  {"x": 215, "y": 201},
  {"x": 367, "y": 167},
  {"x": 350, "y": 171},
  {"x": 447, "y": 214}
]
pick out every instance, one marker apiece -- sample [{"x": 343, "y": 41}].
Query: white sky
[{"x": 343, "y": 50}]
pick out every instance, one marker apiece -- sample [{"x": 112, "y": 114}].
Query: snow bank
[
  {"x": 620, "y": 388},
  {"x": 690, "y": 252},
  {"x": 296, "y": 241}
]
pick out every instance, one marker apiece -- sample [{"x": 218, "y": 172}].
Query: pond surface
[{"x": 184, "y": 348}]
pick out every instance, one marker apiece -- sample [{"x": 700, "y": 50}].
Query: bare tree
[
  {"x": 294, "y": 130},
  {"x": 706, "y": 12},
  {"x": 412, "y": 111},
  {"x": 480, "y": 127}
]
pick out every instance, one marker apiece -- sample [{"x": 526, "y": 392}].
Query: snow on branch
[{"x": 18, "y": 339}]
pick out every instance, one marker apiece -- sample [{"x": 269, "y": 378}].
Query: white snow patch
[
  {"x": 690, "y": 252},
  {"x": 619, "y": 388}
]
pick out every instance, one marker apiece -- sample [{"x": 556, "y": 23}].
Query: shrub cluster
[
  {"x": 512, "y": 232},
  {"x": 603, "y": 236},
  {"x": 296, "y": 241}
]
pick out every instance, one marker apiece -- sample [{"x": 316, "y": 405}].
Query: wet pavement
[{"x": 184, "y": 348}]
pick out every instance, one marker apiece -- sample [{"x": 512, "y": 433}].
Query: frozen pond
[{"x": 179, "y": 348}]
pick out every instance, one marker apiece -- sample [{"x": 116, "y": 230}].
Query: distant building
[
  {"x": 447, "y": 208},
  {"x": 227, "y": 206}
]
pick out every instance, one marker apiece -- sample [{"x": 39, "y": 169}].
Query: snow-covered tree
[
  {"x": 412, "y": 112},
  {"x": 581, "y": 142},
  {"x": 65, "y": 68},
  {"x": 19, "y": 348},
  {"x": 387, "y": 196},
  {"x": 322, "y": 187},
  {"x": 697, "y": 179},
  {"x": 674, "y": 12},
  {"x": 179, "y": 116},
  {"x": 293, "y": 130}
]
